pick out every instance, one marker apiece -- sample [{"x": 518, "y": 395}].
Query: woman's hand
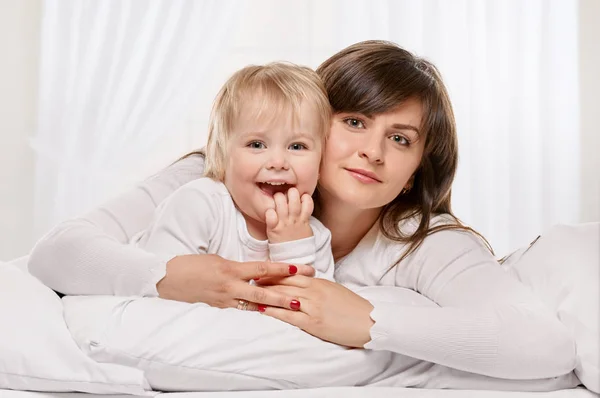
[
  {"x": 211, "y": 279},
  {"x": 327, "y": 310}
]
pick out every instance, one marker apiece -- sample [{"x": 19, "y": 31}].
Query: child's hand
[{"x": 290, "y": 218}]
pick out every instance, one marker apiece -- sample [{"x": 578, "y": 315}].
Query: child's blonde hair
[{"x": 280, "y": 85}]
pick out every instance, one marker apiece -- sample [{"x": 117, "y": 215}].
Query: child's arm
[
  {"x": 324, "y": 263},
  {"x": 184, "y": 222},
  {"x": 314, "y": 250},
  {"x": 297, "y": 238}
]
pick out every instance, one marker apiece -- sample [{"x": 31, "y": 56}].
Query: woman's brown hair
[{"x": 374, "y": 77}]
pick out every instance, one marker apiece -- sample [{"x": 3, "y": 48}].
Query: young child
[{"x": 267, "y": 130}]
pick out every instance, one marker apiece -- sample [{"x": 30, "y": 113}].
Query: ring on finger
[{"x": 242, "y": 305}]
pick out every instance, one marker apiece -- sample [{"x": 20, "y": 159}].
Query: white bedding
[
  {"x": 568, "y": 284},
  {"x": 345, "y": 392}
]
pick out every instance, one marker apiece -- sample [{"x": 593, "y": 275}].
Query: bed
[
  {"x": 570, "y": 291},
  {"x": 346, "y": 392}
]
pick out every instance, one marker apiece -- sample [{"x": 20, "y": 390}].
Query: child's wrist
[{"x": 282, "y": 237}]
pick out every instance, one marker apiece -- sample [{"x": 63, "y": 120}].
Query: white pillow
[
  {"x": 37, "y": 352},
  {"x": 240, "y": 350},
  {"x": 194, "y": 347},
  {"x": 20, "y": 263},
  {"x": 563, "y": 268}
]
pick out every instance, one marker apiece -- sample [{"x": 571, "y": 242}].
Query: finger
[
  {"x": 271, "y": 218},
  {"x": 269, "y": 280},
  {"x": 281, "y": 205},
  {"x": 307, "y": 207},
  {"x": 264, "y": 269},
  {"x": 294, "y": 205},
  {"x": 299, "y": 281},
  {"x": 260, "y": 295},
  {"x": 296, "y": 318},
  {"x": 290, "y": 291}
]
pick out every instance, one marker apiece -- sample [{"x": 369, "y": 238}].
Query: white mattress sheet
[
  {"x": 346, "y": 392},
  {"x": 327, "y": 392}
]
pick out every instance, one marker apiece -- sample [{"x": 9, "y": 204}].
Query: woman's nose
[{"x": 372, "y": 150}]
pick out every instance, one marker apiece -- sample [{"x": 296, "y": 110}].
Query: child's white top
[
  {"x": 201, "y": 218},
  {"x": 487, "y": 322}
]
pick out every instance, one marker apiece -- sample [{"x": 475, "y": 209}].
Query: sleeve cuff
[
  {"x": 300, "y": 251},
  {"x": 157, "y": 272},
  {"x": 378, "y": 331}
]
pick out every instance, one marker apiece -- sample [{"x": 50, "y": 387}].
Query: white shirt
[
  {"x": 201, "y": 218},
  {"x": 486, "y": 322}
]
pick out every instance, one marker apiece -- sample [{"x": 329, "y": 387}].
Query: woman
[{"x": 384, "y": 193}]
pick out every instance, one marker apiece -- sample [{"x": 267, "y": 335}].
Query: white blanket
[
  {"x": 194, "y": 347},
  {"x": 189, "y": 347},
  {"x": 329, "y": 392}
]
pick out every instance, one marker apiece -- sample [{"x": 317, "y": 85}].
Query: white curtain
[{"x": 115, "y": 77}]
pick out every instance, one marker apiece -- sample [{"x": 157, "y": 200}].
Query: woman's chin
[{"x": 360, "y": 201}]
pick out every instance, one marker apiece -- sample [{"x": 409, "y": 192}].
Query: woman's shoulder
[
  {"x": 446, "y": 232},
  {"x": 183, "y": 170},
  {"x": 447, "y": 250}
]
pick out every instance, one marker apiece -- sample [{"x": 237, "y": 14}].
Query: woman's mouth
[
  {"x": 271, "y": 188},
  {"x": 364, "y": 176}
]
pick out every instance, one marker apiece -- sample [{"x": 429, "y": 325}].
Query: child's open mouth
[{"x": 271, "y": 188}]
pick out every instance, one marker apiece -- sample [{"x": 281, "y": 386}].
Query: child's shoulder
[
  {"x": 202, "y": 193},
  {"x": 206, "y": 187}
]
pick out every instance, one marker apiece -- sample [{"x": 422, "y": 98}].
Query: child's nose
[{"x": 278, "y": 161}]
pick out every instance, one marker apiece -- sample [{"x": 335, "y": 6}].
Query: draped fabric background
[
  {"x": 115, "y": 77},
  {"x": 126, "y": 87}
]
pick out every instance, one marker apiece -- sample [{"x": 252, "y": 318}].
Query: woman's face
[{"x": 368, "y": 159}]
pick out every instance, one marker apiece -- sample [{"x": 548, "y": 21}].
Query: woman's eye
[
  {"x": 256, "y": 145},
  {"x": 400, "y": 139},
  {"x": 354, "y": 123},
  {"x": 297, "y": 146}
]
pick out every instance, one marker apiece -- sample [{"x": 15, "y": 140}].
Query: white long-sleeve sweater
[
  {"x": 486, "y": 323},
  {"x": 201, "y": 218}
]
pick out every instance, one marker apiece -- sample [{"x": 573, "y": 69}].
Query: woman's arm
[
  {"x": 486, "y": 323},
  {"x": 90, "y": 255}
]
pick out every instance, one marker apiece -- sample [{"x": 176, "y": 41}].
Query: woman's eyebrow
[{"x": 406, "y": 127}]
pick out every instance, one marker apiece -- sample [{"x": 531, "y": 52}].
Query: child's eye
[
  {"x": 354, "y": 123},
  {"x": 400, "y": 140},
  {"x": 256, "y": 145},
  {"x": 297, "y": 146}
]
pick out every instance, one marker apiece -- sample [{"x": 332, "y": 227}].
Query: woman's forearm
[
  {"x": 508, "y": 342},
  {"x": 78, "y": 258},
  {"x": 91, "y": 255},
  {"x": 487, "y": 321}
]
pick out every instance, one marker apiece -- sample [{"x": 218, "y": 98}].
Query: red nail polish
[
  {"x": 262, "y": 308},
  {"x": 256, "y": 279},
  {"x": 293, "y": 269},
  {"x": 295, "y": 305}
]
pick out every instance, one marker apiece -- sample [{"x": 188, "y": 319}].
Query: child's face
[{"x": 270, "y": 154}]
